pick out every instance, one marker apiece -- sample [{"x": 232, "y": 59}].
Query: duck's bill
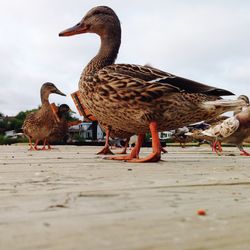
[
  {"x": 59, "y": 92},
  {"x": 77, "y": 29},
  {"x": 72, "y": 112}
]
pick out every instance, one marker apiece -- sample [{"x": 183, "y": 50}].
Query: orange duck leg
[
  {"x": 30, "y": 144},
  {"x": 244, "y": 153},
  {"x": 36, "y": 144},
  {"x": 156, "y": 145},
  {"x": 155, "y": 156},
  {"x": 45, "y": 142},
  {"x": 134, "y": 153},
  {"x": 106, "y": 150},
  {"x": 216, "y": 147}
]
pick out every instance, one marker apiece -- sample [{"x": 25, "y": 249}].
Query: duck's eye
[{"x": 78, "y": 24}]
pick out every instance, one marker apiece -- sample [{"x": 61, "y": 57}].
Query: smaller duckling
[
  {"x": 38, "y": 125},
  {"x": 59, "y": 132}
]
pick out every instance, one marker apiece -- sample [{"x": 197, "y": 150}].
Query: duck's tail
[{"x": 224, "y": 105}]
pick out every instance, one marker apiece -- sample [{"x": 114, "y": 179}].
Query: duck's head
[
  {"x": 49, "y": 88},
  {"x": 245, "y": 105},
  {"x": 63, "y": 108},
  {"x": 244, "y": 98},
  {"x": 101, "y": 20}
]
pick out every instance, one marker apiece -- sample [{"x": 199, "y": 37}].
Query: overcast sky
[{"x": 206, "y": 41}]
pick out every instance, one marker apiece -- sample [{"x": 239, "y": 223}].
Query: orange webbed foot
[
  {"x": 153, "y": 157},
  {"x": 244, "y": 153},
  {"x": 105, "y": 151}
]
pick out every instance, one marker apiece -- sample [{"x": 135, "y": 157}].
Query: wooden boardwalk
[{"x": 69, "y": 198}]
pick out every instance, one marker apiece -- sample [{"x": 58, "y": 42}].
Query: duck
[
  {"x": 139, "y": 99},
  {"x": 38, "y": 125},
  {"x": 180, "y": 136},
  {"x": 59, "y": 132},
  {"x": 231, "y": 130},
  {"x": 234, "y": 130}
]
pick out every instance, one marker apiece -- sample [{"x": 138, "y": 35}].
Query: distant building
[
  {"x": 12, "y": 134},
  {"x": 8, "y": 118},
  {"x": 166, "y": 135},
  {"x": 84, "y": 131}
]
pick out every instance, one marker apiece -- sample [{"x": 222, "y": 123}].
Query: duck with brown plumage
[
  {"x": 59, "y": 133},
  {"x": 38, "y": 125},
  {"x": 139, "y": 99}
]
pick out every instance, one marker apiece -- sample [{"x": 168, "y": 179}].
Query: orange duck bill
[{"x": 75, "y": 30}]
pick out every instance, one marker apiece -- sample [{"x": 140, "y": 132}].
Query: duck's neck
[
  {"x": 44, "y": 98},
  {"x": 107, "y": 54}
]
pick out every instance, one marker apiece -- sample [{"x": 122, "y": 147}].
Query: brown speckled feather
[
  {"x": 38, "y": 125},
  {"x": 128, "y": 103}
]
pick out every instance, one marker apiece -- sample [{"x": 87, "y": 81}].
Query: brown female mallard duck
[
  {"x": 59, "y": 132},
  {"x": 38, "y": 125},
  {"x": 139, "y": 99}
]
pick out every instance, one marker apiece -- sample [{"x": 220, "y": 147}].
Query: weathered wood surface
[{"x": 69, "y": 198}]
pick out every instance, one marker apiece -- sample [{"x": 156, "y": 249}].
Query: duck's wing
[
  {"x": 125, "y": 89},
  {"x": 150, "y": 74}
]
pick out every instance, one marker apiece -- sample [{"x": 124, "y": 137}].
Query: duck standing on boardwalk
[
  {"x": 38, "y": 125},
  {"x": 139, "y": 99},
  {"x": 225, "y": 129},
  {"x": 234, "y": 130},
  {"x": 59, "y": 132}
]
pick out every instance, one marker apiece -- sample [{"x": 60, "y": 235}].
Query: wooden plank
[{"x": 69, "y": 198}]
